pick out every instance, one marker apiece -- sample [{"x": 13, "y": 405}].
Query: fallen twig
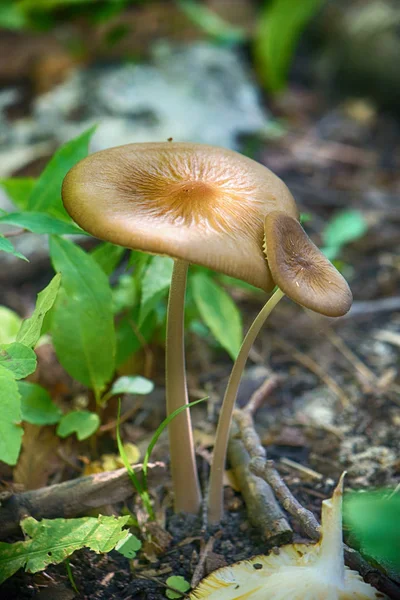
[
  {"x": 199, "y": 570},
  {"x": 72, "y": 498}
]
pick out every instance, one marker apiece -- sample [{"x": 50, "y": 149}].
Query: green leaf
[
  {"x": 6, "y": 246},
  {"x": 219, "y": 312},
  {"x": 31, "y": 328},
  {"x": 82, "y": 325},
  {"x": 18, "y": 359},
  {"x": 41, "y": 223},
  {"x": 82, "y": 422},
  {"x": 12, "y": 17},
  {"x": 127, "y": 333},
  {"x": 125, "y": 293},
  {"x": 155, "y": 284},
  {"x": 179, "y": 583},
  {"x": 52, "y": 541},
  {"x": 279, "y": 27},
  {"x": 346, "y": 226},
  {"x": 132, "y": 385},
  {"x": 18, "y": 189},
  {"x": 10, "y": 417},
  {"x": 129, "y": 546},
  {"x": 211, "y": 23},
  {"x": 46, "y": 194},
  {"x": 37, "y": 407},
  {"x": 108, "y": 256},
  {"x": 10, "y": 323},
  {"x": 374, "y": 520}
]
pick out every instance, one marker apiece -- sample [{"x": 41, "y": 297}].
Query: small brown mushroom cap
[
  {"x": 199, "y": 203},
  {"x": 301, "y": 270}
]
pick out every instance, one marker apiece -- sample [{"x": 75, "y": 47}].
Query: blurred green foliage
[
  {"x": 279, "y": 27},
  {"x": 373, "y": 520}
]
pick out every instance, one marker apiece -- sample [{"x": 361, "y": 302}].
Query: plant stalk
[
  {"x": 183, "y": 463},
  {"x": 215, "y": 493}
]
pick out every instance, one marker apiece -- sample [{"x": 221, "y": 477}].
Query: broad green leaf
[
  {"x": 10, "y": 418},
  {"x": 18, "y": 189},
  {"x": 46, "y": 194},
  {"x": 108, "y": 256},
  {"x": 219, "y": 312},
  {"x": 18, "y": 359},
  {"x": 51, "y": 541},
  {"x": 211, "y": 22},
  {"x": 373, "y": 519},
  {"x": 10, "y": 323},
  {"x": 346, "y": 226},
  {"x": 7, "y": 246},
  {"x": 129, "y": 546},
  {"x": 127, "y": 332},
  {"x": 155, "y": 284},
  {"x": 179, "y": 583},
  {"x": 31, "y": 328},
  {"x": 82, "y": 324},
  {"x": 37, "y": 407},
  {"x": 41, "y": 223},
  {"x": 132, "y": 385},
  {"x": 82, "y": 422},
  {"x": 279, "y": 27}
]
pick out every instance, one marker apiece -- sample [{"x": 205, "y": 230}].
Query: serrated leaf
[
  {"x": 10, "y": 324},
  {"x": 219, "y": 312},
  {"x": 129, "y": 546},
  {"x": 18, "y": 359},
  {"x": 179, "y": 583},
  {"x": 279, "y": 27},
  {"x": 132, "y": 385},
  {"x": 37, "y": 407},
  {"x": 155, "y": 284},
  {"x": 18, "y": 189},
  {"x": 82, "y": 422},
  {"x": 108, "y": 256},
  {"x": 10, "y": 417},
  {"x": 82, "y": 324},
  {"x": 7, "y": 246},
  {"x": 41, "y": 223},
  {"x": 31, "y": 328},
  {"x": 46, "y": 194},
  {"x": 52, "y": 541}
]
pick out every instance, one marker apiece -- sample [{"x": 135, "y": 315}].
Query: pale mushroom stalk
[
  {"x": 216, "y": 489},
  {"x": 183, "y": 462}
]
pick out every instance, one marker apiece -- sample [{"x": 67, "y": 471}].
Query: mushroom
[
  {"x": 297, "y": 571},
  {"x": 198, "y": 204}
]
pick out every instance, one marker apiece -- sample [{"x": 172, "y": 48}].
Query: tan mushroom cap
[
  {"x": 199, "y": 203},
  {"x": 300, "y": 269}
]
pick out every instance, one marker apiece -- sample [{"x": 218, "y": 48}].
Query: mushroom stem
[
  {"x": 183, "y": 463},
  {"x": 215, "y": 493}
]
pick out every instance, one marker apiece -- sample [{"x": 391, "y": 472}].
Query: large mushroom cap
[{"x": 202, "y": 204}]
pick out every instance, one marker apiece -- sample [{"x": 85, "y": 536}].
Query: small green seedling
[
  {"x": 180, "y": 585},
  {"x": 129, "y": 546}
]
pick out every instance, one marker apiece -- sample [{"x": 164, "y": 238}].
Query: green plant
[
  {"x": 279, "y": 27},
  {"x": 52, "y": 541}
]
